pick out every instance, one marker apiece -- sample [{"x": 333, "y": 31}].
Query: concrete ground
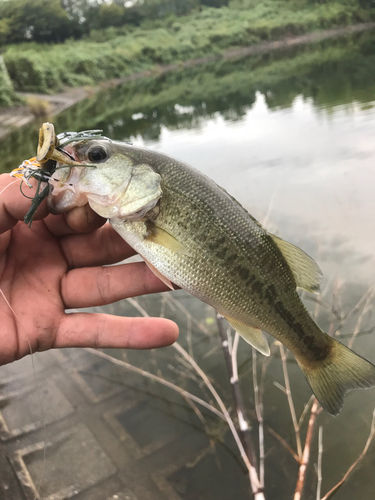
[{"x": 71, "y": 427}]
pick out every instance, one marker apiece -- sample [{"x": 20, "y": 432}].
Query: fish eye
[{"x": 97, "y": 154}]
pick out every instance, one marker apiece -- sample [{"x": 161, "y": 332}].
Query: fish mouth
[
  {"x": 69, "y": 188},
  {"x": 69, "y": 151},
  {"x": 64, "y": 194}
]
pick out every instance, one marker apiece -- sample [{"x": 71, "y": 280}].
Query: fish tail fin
[{"x": 342, "y": 371}]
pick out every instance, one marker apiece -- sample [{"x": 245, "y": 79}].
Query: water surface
[{"x": 291, "y": 137}]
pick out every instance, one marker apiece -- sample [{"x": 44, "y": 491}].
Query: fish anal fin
[
  {"x": 163, "y": 238},
  {"x": 158, "y": 274},
  {"x": 343, "y": 370},
  {"x": 253, "y": 336},
  {"x": 305, "y": 270}
]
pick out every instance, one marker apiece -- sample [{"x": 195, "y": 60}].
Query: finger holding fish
[
  {"x": 32, "y": 310},
  {"x": 77, "y": 220},
  {"x": 99, "y": 286},
  {"x": 103, "y": 246},
  {"x": 107, "y": 331},
  {"x": 14, "y": 206}
]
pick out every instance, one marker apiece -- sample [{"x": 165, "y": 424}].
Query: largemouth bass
[{"x": 193, "y": 234}]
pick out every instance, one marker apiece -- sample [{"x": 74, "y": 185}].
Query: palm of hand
[
  {"x": 52, "y": 266},
  {"x": 32, "y": 268}
]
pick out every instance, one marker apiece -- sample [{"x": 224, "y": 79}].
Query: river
[{"x": 291, "y": 136}]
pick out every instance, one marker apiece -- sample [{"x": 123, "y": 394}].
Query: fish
[{"x": 196, "y": 236}]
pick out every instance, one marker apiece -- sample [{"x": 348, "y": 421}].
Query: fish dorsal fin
[
  {"x": 158, "y": 274},
  {"x": 305, "y": 270},
  {"x": 253, "y": 336},
  {"x": 166, "y": 240}
]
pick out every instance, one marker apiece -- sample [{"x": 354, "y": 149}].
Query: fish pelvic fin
[
  {"x": 332, "y": 378},
  {"x": 253, "y": 336},
  {"x": 305, "y": 270}
]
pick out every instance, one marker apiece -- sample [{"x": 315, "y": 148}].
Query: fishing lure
[{"x": 42, "y": 166}]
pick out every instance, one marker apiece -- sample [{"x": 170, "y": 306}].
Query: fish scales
[
  {"x": 194, "y": 234},
  {"x": 251, "y": 275}
]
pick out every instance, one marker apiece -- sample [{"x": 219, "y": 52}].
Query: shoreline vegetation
[
  {"x": 328, "y": 73},
  {"x": 28, "y": 106},
  {"x": 161, "y": 40}
]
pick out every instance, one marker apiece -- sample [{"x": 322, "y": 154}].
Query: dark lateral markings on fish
[{"x": 195, "y": 235}]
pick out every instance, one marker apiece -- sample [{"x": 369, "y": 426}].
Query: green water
[{"x": 291, "y": 136}]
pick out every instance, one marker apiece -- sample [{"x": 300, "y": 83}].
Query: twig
[
  {"x": 357, "y": 328},
  {"x": 188, "y": 336},
  {"x": 171, "y": 300},
  {"x": 305, "y": 411},
  {"x": 259, "y": 413},
  {"x": 332, "y": 491},
  {"x": 355, "y": 308},
  {"x": 306, "y": 452},
  {"x": 319, "y": 302},
  {"x": 290, "y": 401},
  {"x": 253, "y": 475},
  {"x": 279, "y": 386},
  {"x": 231, "y": 363},
  {"x": 284, "y": 443},
  {"x": 161, "y": 380},
  {"x": 233, "y": 350},
  {"x": 256, "y": 487},
  {"x": 203, "y": 422},
  {"x": 320, "y": 456}
]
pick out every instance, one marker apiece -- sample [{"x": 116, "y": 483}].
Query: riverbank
[
  {"x": 11, "y": 118},
  {"x": 121, "y": 52}
]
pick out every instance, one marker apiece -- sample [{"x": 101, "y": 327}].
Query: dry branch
[
  {"x": 256, "y": 488},
  {"x": 253, "y": 475},
  {"x": 358, "y": 326},
  {"x": 258, "y": 400},
  {"x": 283, "y": 442},
  {"x": 290, "y": 401},
  {"x": 306, "y": 452},
  {"x": 231, "y": 364},
  {"x": 333, "y": 490},
  {"x": 161, "y": 380},
  {"x": 319, "y": 467}
]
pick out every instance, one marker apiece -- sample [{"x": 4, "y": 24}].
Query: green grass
[{"x": 111, "y": 53}]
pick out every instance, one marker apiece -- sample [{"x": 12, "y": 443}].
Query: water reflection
[
  {"x": 308, "y": 172},
  {"x": 291, "y": 137}
]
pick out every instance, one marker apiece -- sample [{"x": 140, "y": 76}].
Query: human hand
[{"x": 56, "y": 265}]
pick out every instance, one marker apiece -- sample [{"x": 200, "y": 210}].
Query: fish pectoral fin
[
  {"x": 163, "y": 238},
  {"x": 305, "y": 270},
  {"x": 158, "y": 274},
  {"x": 253, "y": 336}
]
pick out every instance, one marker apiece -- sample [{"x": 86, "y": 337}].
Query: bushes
[
  {"x": 7, "y": 94},
  {"x": 40, "y": 108},
  {"x": 121, "y": 51}
]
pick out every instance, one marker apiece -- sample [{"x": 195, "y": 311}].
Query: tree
[{"x": 40, "y": 20}]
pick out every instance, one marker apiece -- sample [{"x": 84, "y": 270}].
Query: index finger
[{"x": 13, "y": 205}]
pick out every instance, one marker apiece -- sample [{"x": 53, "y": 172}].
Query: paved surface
[
  {"x": 68, "y": 432},
  {"x": 11, "y": 118},
  {"x": 73, "y": 425}
]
